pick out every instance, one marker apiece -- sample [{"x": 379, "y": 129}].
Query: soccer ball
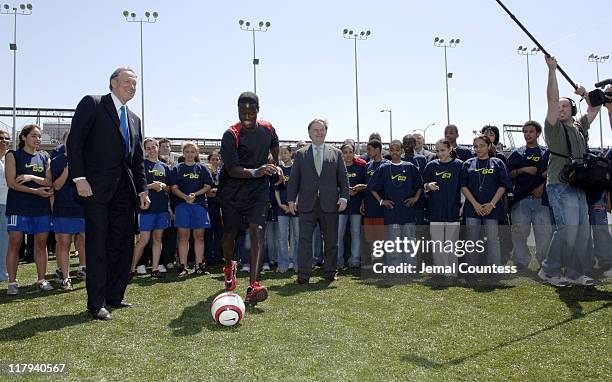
[{"x": 227, "y": 309}]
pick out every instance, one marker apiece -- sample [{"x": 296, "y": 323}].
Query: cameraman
[{"x": 568, "y": 247}]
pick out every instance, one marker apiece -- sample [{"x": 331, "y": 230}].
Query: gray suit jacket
[{"x": 304, "y": 182}]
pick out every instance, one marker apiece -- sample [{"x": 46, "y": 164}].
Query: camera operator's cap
[{"x": 247, "y": 99}]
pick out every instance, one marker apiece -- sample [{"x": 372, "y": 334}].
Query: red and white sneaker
[
  {"x": 229, "y": 271},
  {"x": 256, "y": 293}
]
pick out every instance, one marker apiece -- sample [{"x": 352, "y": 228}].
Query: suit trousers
[
  {"x": 109, "y": 245},
  {"x": 329, "y": 228}
]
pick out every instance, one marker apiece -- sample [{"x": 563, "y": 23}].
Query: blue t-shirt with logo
[
  {"x": 282, "y": 190},
  {"x": 191, "y": 179},
  {"x": 66, "y": 204},
  {"x": 445, "y": 203},
  {"x": 524, "y": 183},
  {"x": 160, "y": 172},
  {"x": 370, "y": 205},
  {"x": 23, "y": 203},
  {"x": 398, "y": 182},
  {"x": 356, "y": 174},
  {"x": 483, "y": 177}
]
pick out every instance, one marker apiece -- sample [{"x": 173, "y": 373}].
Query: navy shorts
[
  {"x": 193, "y": 216},
  {"x": 152, "y": 222},
  {"x": 68, "y": 225},
  {"x": 28, "y": 224}
]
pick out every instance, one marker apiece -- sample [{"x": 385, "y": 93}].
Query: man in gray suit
[{"x": 319, "y": 185}]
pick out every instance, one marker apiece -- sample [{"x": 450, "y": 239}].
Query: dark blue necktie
[{"x": 125, "y": 130}]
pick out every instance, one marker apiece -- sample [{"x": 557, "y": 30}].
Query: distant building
[{"x": 54, "y": 131}]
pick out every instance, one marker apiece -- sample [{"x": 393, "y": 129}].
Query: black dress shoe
[
  {"x": 101, "y": 314},
  {"x": 301, "y": 281},
  {"x": 122, "y": 304}
]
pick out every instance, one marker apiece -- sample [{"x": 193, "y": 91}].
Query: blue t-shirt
[
  {"x": 524, "y": 183},
  {"x": 500, "y": 155},
  {"x": 23, "y": 203},
  {"x": 282, "y": 190},
  {"x": 212, "y": 200},
  {"x": 420, "y": 162},
  {"x": 417, "y": 159},
  {"x": 191, "y": 179},
  {"x": 483, "y": 177},
  {"x": 356, "y": 175},
  {"x": 66, "y": 204},
  {"x": 371, "y": 206},
  {"x": 461, "y": 153},
  {"x": 398, "y": 182},
  {"x": 445, "y": 203},
  {"x": 273, "y": 209},
  {"x": 160, "y": 172},
  {"x": 58, "y": 150}
]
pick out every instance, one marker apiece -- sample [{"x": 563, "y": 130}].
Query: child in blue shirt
[
  {"x": 191, "y": 181},
  {"x": 401, "y": 184},
  {"x": 484, "y": 180},
  {"x": 442, "y": 182}
]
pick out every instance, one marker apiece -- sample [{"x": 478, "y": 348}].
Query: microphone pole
[{"x": 536, "y": 42}]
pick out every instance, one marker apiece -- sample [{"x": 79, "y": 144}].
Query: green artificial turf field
[{"x": 344, "y": 331}]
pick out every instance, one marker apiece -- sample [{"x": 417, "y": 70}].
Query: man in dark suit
[
  {"x": 320, "y": 188},
  {"x": 105, "y": 161}
]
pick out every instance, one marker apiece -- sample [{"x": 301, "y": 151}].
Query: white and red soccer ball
[{"x": 227, "y": 309}]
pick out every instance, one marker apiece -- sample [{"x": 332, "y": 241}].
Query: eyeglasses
[{"x": 5, "y": 139}]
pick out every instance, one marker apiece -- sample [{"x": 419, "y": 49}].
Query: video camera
[{"x": 598, "y": 96}]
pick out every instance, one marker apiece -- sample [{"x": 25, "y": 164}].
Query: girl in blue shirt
[
  {"x": 191, "y": 181},
  {"x": 68, "y": 218},
  {"x": 288, "y": 224},
  {"x": 401, "y": 184},
  {"x": 442, "y": 183},
  {"x": 484, "y": 180},
  {"x": 28, "y": 210},
  {"x": 156, "y": 219},
  {"x": 355, "y": 171}
]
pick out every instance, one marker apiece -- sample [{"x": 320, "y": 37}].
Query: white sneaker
[
  {"x": 67, "y": 284},
  {"x": 266, "y": 267},
  {"x": 141, "y": 270},
  {"x": 558, "y": 281},
  {"x": 583, "y": 280},
  {"x": 161, "y": 268},
  {"x": 13, "y": 289},
  {"x": 246, "y": 268},
  {"x": 169, "y": 265},
  {"x": 44, "y": 286},
  {"x": 608, "y": 273}
]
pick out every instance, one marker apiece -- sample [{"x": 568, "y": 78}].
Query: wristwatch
[{"x": 253, "y": 173}]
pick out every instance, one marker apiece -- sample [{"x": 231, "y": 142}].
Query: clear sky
[{"x": 197, "y": 61}]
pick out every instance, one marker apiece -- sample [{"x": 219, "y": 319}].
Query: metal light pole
[
  {"x": 523, "y": 51},
  {"x": 425, "y": 130},
  {"x": 597, "y": 60},
  {"x": 390, "y": 122},
  {"x": 131, "y": 18},
  {"x": 363, "y": 35},
  {"x": 439, "y": 42},
  {"x": 261, "y": 27},
  {"x": 23, "y": 10}
]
